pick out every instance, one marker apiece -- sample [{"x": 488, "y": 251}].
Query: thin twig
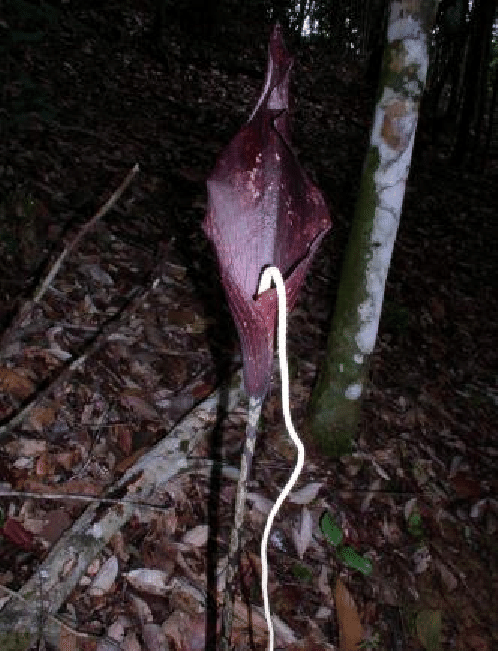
[
  {"x": 254, "y": 412},
  {"x": 97, "y": 342},
  {"x": 26, "y": 308},
  {"x": 136, "y": 297},
  {"x": 83, "y": 231}
]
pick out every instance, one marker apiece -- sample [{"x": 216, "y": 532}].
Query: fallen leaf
[
  {"x": 421, "y": 558},
  {"x": 197, "y": 537},
  {"x": 105, "y": 577},
  {"x": 26, "y": 447},
  {"x": 139, "y": 405},
  {"x": 15, "y": 383},
  {"x": 68, "y": 459},
  {"x": 306, "y": 494},
  {"x": 96, "y": 274},
  {"x": 261, "y": 503},
  {"x": 41, "y": 418},
  {"x": 131, "y": 643},
  {"x": 154, "y": 637},
  {"x": 449, "y": 580},
  {"x": 466, "y": 487},
  {"x": 116, "y": 630},
  {"x": 303, "y": 533},
  {"x": 141, "y": 608},
  {"x": 44, "y": 465},
  {"x": 67, "y": 640},
  {"x": 17, "y": 534},
  {"x": 153, "y": 582},
  {"x": 429, "y": 628},
  {"x": 350, "y": 629},
  {"x": 125, "y": 439},
  {"x": 187, "y": 632},
  {"x": 55, "y": 522}
]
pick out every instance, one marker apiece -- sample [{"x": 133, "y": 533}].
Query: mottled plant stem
[{"x": 254, "y": 412}]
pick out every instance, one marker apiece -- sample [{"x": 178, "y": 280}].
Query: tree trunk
[
  {"x": 375, "y": 41},
  {"x": 485, "y": 61},
  {"x": 335, "y": 403},
  {"x": 491, "y": 117},
  {"x": 475, "y": 74}
]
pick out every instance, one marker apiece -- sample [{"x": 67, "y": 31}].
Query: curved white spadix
[{"x": 269, "y": 274}]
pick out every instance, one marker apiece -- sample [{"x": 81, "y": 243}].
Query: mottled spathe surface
[{"x": 263, "y": 211}]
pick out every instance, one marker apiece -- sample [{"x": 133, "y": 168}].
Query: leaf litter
[{"x": 427, "y": 445}]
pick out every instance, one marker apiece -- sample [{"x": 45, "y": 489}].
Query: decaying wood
[{"x": 144, "y": 482}]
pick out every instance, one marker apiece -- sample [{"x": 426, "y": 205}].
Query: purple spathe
[{"x": 263, "y": 210}]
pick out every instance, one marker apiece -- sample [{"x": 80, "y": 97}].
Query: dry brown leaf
[
  {"x": 17, "y": 534},
  {"x": 54, "y": 523},
  {"x": 15, "y": 383},
  {"x": 138, "y": 405},
  {"x": 119, "y": 547},
  {"x": 125, "y": 439},
  {"x": 310, "y": 644},
  {"x": 466, "y": 487},
  {"x": 25, "y": 447},
  {"x": 141, "y": 608},
  {"x": 41, "y": 417},
  {"x": 187, "y": 632},
  {"x": 68, "y": 459},
  {"x": 67, "y": 640},
  {"x": 473, "y": 639},
  {"x": 350, "y": 629},
  {"x": 76, "y": 486},
  {"x": 242, "y": 618},
  {"x": 449, "y": 580},
  {"x": 44, "y": 465}
]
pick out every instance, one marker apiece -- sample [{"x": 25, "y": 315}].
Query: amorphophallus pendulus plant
[{"x": 262, "y": 211}]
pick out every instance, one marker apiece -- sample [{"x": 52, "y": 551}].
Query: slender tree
[
  {"x": 482, "y": 18},
  {"x": 335, "y": 404},
  {"x": 491, "y": 116}
]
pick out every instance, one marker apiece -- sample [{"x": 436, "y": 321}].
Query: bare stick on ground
[
  {"x": 254, "y": 412},
  {"x": 54, "y": 270}
]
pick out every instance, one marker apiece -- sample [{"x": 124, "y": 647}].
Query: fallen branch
[
  {"x": 75, "y": 550},
  {"x": 82, "y": 232},
  {"x": 135, "y": 298}
]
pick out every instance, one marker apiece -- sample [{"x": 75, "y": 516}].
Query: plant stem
[{"x": 254, "y": 412}]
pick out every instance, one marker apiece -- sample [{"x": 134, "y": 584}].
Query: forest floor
[{"x": 140, "y": 299}]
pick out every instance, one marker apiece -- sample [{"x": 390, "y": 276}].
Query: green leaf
[
  {"x": 330, "y": 530},
  {"x": 302, "y": 573},
  {"x": 415, "y": 524},
  {"x": 349, "y": 557}
]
